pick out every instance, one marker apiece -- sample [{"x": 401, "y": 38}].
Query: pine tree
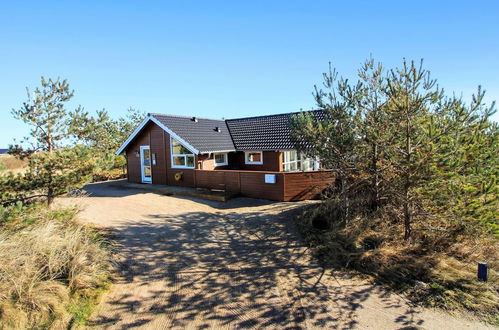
[
  {"x": 333, "y": 137},
  {"x": 54, "y": 166},
  {"x": 463, "y": 182},
  {"x": 427, "y": 134},
  {"x": 412, "y": 95},
  {"x": 426, "y": 156},
  {"x": 104, "y": 135},
  {"x": 370, "y": 101}
]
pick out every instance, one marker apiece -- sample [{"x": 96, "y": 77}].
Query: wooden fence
[{"x": 279, "y": 186}]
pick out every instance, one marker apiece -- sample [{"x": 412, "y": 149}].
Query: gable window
[
  {"x": 296, "y": 161},
  {"x": 181, "y": 156},
  {"x": 253, "y": 157},
  {"x": 221, "y": 159}
]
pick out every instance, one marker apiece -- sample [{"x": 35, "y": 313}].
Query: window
[
  {"x": 221, "y": 159},
  {"x": 181, "y": 156},
  {"x": 295, "y": 161},
  {"x": 254, "y": 157}
]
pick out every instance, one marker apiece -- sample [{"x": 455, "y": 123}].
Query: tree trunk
[
  {"x": 50, "y": 188},
  {"x": 375, "y": 183},
  {"x": 50, "y": 195},
  {"x": 407, "y": 216},
  {"x": 407, "y": 183},
  {"x": 345, "y": 200}
]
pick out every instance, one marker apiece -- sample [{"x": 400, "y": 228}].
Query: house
[{"x": 254, "y": 156}]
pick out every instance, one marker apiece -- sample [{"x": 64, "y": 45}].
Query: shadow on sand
[{"x": 229, "y": 268}]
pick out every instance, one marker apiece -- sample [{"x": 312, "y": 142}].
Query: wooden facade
[
  {"x": 237, "y": 177},
  {"x": 272, "y": 161},
  {"x": 288, "y": 186}
]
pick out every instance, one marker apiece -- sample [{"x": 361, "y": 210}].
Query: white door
[{"x": 145, "y": 164}]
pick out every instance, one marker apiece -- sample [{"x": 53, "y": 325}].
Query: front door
[{"x": 145, "y": 164}]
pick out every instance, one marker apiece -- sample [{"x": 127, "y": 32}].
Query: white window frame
[
  {"x": 299, "y": 162},
  {"x": 246, "y": 161},
  {"x": 226, "y": 158},
  {"x": 287, "y": 162},
  {"x": 142, "y": 170},
  {"x": 172, "y": 155}
]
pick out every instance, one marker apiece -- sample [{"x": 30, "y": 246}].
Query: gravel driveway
[{"x": 187, "y": 263}]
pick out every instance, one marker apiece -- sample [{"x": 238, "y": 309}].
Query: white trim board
[
  {"x": 166, "y": 129},
  {"x": 130, "y": 138},
  {"x": 142, "y": 171},
  {"x": 175, "y": 136},
  {"x": 226, "y": 161},
  {"x": 172, "y": 155},
  {"x": 252, "y": 152}
]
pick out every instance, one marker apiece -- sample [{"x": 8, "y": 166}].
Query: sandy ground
[{"x": 188, "y": 263}]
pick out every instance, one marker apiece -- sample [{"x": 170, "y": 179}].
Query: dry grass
[
  {"x": 9, "y": 163},
  {"x": 434, "y": 269},
  {"x": 48, "y": 267},
  {"x": 106, "y": 175}
]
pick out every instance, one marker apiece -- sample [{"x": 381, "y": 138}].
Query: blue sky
[{"x": 232, "y": 58}]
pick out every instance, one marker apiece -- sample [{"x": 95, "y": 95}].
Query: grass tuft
[{"x": 49, "y": 267}]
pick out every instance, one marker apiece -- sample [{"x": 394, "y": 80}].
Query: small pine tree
[
  {"x": 426, "y": 134},
  {"x": 371, "y": 119},
  {"x": 463, "y": 182},
  {"x": 411, "y": 94},
  {"x": 426, "y": 156},
  {"x": 334, "y": 137},
  {"x": 104, "y": 135},
  {"x": 54, "y": 167}
]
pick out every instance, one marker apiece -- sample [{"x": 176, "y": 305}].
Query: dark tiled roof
[
  {"x": 202, "y": 134},
  {"x": 4, "y": 151},
  {"x": 265, "y": 132}
]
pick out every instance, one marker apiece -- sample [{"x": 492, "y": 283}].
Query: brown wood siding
[
  {"x": 272, "y": 161},
  {"x": 289, "y": 186},
  {"x": 280, "y": 162},
  {"x": 253, "y": 185},
  {"x": 233, "y": 182},
  {"x": 204, "y": 163},
  {"x": 208, "y": 163},
  {"x": 162, "y": 173},
  {"x": 166, "y": 137},
  {"x": 127, "y": 166},
  {"x": 246, "y": 183},
  {"x": 158, "y": 148},
  {"x": 224, "y": 180},
  {"x": 211, "y": 179},
  {"x": 187, "y": 174},
  {"x": 143, "y": 139},
  {"x": 306, "y": 185},
  {"x": 187, "y": 177},
  {"x": 249, "y": 180}
]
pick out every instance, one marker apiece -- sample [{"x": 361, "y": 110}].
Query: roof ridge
[
  {"x": 179, "y": 116},
  {"x": 275, "y": 115}
]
